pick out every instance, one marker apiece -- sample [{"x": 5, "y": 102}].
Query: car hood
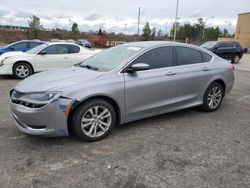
[
  {"x": 56, "y": 79},
  {"x": 10, "y": 54}
]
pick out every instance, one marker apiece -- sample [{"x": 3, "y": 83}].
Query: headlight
[
  {"x": 1, "y": 62},
  {"x": 36, "y": 98}
]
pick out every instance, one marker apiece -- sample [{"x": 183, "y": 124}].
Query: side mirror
[
  {"x": 42, "y": 53},
  {"x": 137, "y": 67}
]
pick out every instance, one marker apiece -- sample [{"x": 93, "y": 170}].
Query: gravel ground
[{"x": 188, "y": 148}]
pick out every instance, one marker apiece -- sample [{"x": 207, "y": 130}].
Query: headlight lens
[
  {"x": 37, "y": 98},
  {"x": 1, "y": 62}
]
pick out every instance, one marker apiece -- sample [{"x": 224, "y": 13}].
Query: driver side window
[{"x": 160, "y": 57}]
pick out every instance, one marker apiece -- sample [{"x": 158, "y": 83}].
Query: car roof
[
  {"x": 150, "y": 44},
  {"x": 50, "y": 43},
  {"x": 36, "y": 40}
]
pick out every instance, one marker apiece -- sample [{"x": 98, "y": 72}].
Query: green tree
[
  {"x": 225, "y": 33},
  {"x": 100, "y": 32},
  {"x": 74, "y": 28},
  {"x": 146, "y": 32},
  {"x": 34, "y": 25}
]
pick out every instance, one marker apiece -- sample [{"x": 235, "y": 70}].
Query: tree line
[{"x": 196, "y": 31}]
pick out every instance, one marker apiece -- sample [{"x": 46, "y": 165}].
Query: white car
[{"x": 50, "y": 55}]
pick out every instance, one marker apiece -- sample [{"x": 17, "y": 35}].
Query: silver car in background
[{"x": 119, "y": 85}]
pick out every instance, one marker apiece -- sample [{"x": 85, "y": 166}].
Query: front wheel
[
  {"x": 212, "y": 97},
  {"x": 93, "y": 120},
  {"x": 22, "y": 70}
]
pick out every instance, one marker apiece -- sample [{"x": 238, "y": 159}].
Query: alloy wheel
[
  {"x": 214, "y": 97},
  {"x": 236, "y": 59},
  {"x": 22, "y": 71},
  {"x": 96, "y": 121}
]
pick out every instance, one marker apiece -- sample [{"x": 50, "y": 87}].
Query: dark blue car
[{"x": 23, "y": 45}]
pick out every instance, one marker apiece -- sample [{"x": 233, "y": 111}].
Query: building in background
[{"x": 243, "y": 30}]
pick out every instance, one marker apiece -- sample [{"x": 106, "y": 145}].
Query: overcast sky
[{"x": 114, "y": 15}]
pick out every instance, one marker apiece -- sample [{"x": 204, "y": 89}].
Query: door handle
[
  {"x": 66, "y": 58},
  {"x": 205, "y": 69},
  {"x": 170, "y": 73}
]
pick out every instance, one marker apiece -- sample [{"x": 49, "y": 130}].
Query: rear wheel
[
  {"x": 212, "y": 97},
  {"x": 235, "y": 59},
  {"x": 93, "y": 120},
  {"x": 22, "y": 70}
]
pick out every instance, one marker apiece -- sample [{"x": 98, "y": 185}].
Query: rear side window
[
  {"x": 74, "y": 49},
  {"x": 187, "y": 56},
  {"x": 157, "y": 58},
  {"x": 20, "y": 45},
  {"x": 229, "y": 45},
  {"x": 57, "y": 49},
  {"x": 237, "y": 44},
  {"x": 206, "y": 57},
  {"x": 34, "y": 44}
]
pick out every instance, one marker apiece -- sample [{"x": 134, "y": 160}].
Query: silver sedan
[{"x": 119, "y": 85}]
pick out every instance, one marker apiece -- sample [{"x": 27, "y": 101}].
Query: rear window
[
  {"x": 206, "y": 57},
  {"x": 187, "y": 56},
  {"x": 74, "y": 49},
  {"x": 237, "y": 44}
]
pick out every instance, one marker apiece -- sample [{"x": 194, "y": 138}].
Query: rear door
[
  {"x": 154, "y": 90},
  {"x": 75, "y": 56},
  {"x": 52, "y": 57},
  {"x": 194, "y": 69}
]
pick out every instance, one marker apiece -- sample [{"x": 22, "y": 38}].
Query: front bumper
[
  {"x": 5, "y": 69},
  {"x": 50, "y": 120}
]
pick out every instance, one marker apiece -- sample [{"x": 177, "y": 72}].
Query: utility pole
[
  {"x": 176, "y": 17},
  {"x": 139, "y": 19}
]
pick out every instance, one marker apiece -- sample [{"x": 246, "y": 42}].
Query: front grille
[{"x": 27, "y": 104}]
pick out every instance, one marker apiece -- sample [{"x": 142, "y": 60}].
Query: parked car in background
[
  {"x": 23, "y": 46},
  {"x": 228, "y": 50},
  {"x": 44, "y": 57},
  {"x": 119, "y": 85},
  {"x": 71, "y": 40},
  {"x": 83, "y": 42}
]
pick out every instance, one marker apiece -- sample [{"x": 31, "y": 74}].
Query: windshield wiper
[{"x": 89, "y": 67}]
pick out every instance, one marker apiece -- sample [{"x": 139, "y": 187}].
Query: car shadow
[
  {"x": 8, "y": 77},
  {"x": 120, "y": 129}
]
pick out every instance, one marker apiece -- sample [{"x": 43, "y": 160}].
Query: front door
[
  {"x": 154, "y": 90},
  {"x": 54, "y": 56}
]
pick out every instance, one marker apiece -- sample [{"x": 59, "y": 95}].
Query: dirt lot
[{"x": 189, "y": 148}]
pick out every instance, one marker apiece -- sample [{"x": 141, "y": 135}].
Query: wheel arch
[
  {"x": 104, "y": 97},
  {"x": 221, "y": 82},
  {"x": 23, "y": 61}
]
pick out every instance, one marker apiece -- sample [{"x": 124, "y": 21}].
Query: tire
[
  {"x": 22, "y": 70},
  {"x": 213, "y": 97},
  {"x": 92, "y": 125},
  {"x": 235, "y": 59}
]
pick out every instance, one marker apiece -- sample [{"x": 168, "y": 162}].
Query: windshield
[
  {"x": 37, "y": 49},
  {"x": 208, "y": 45},
  {"x": 110, "y": 58}
]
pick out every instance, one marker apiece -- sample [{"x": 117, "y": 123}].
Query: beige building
[{"x": 243, "y": 29}]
